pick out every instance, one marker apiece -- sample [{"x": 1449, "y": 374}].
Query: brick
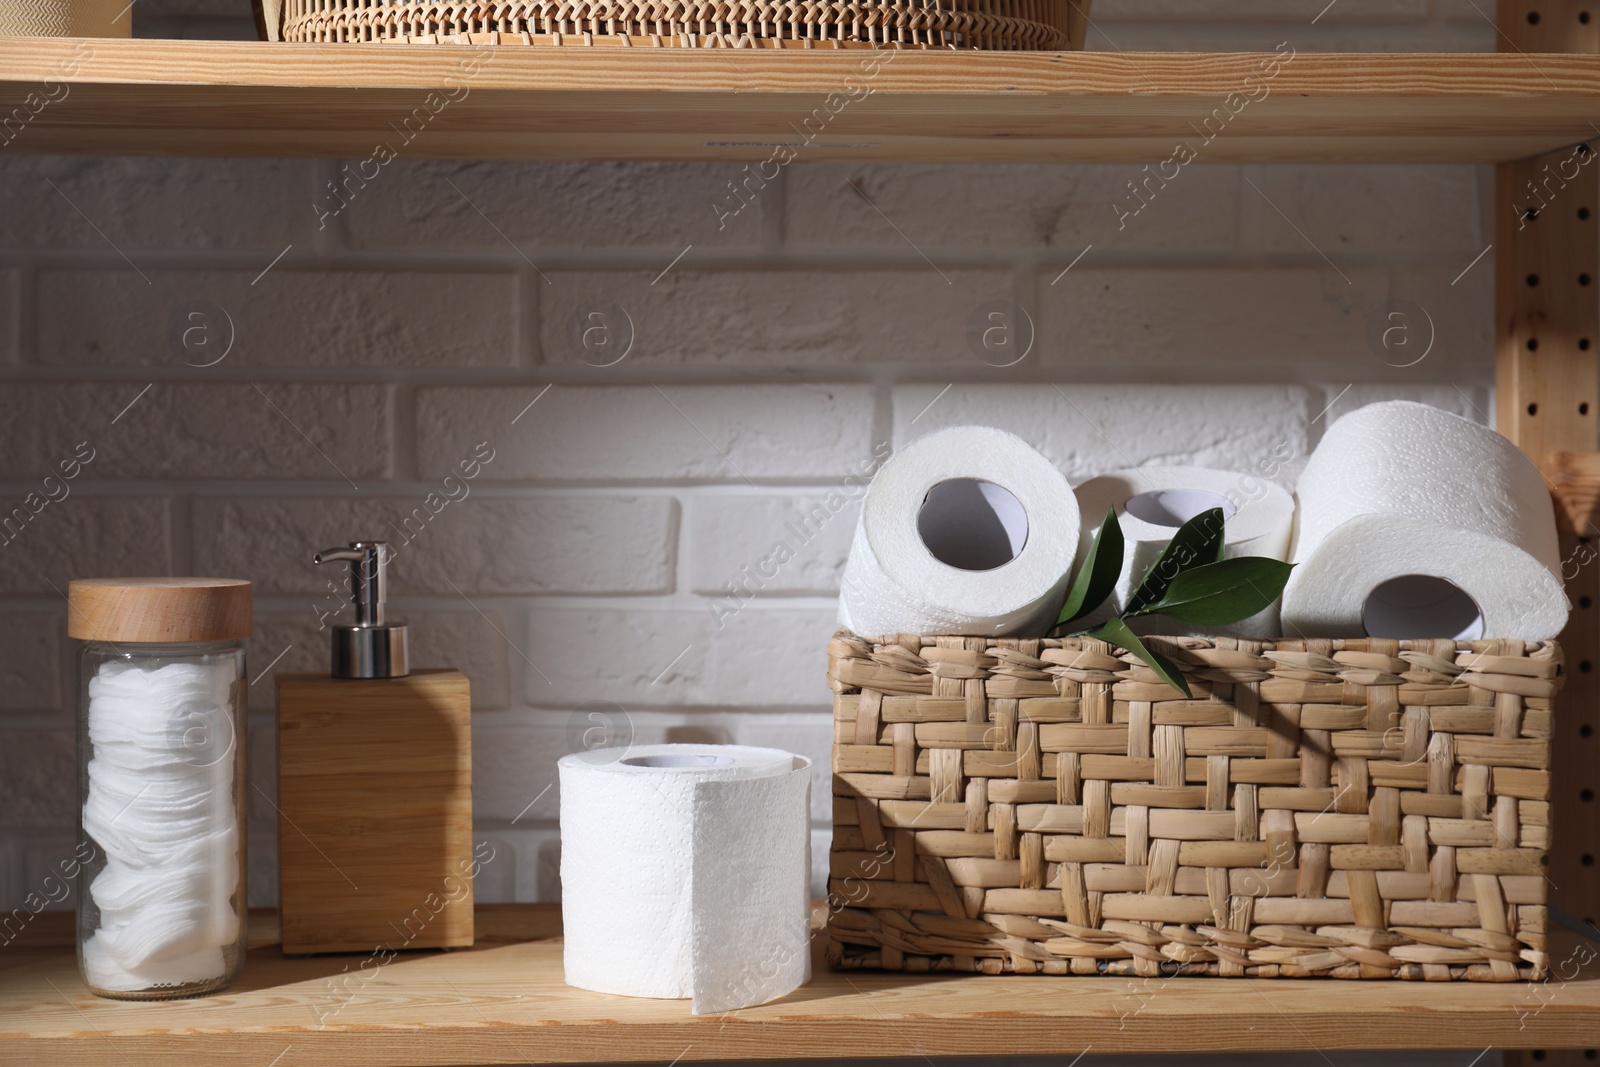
[
  {"x": 1383, "y": 209},
  {"x": 808, "y": 734},
  {"x": 277, "y": 430},
  {"x": 821, "y": 842},
  {"x": 544, "y": 205},
  {"x": 261, "y": 806},
  {"x": 194, "y": 29},
  {"x": 737, "y": 539},
  {"x": 514, "y": 762},
  {"x": 768, "y": 316},
  {"x": 285, "y": 317},
  {"x": 636, "y": 433},
  {"x": 10, "y": 316},
  {"x": 47, "y": 868},
  {"x": 514, "y": 758},
  {"x": 471, "y": 643},
  {"x": 759, "y": 657},
  {"x": 1087, "y": 430},
  {"x": 1468, "y": 401},
  {"x": 36, "y": 664},
  {"x": 82, "y": 537},
  {"x": 39, "y": 780},
  {"x": 1058, "y": 207},
  {"x": 1241, "y": 323},
  {"x": 159, "y": 202},
  {"x": 196, "y": 9},
  {"x": 1458, "y": 309},
  {"x": 496, "y": 880},
  {"x": 477, "y": 544},
  {"x": 261, "y": 866},
  {"x": 538, "y": 859}
]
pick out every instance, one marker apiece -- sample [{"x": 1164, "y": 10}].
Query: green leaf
[
  {"x": 1221, "y": 593},
  {"x": 1098, "y": 575},
  {"x": 1197, "y": 543},
  {"x": 1117, "y": 633}
]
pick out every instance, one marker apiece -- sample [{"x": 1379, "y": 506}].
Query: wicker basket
[
  {"x": 1002, "y": 25},
  {"x": 1350, "y": 809}
]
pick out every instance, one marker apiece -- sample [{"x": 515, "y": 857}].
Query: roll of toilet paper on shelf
[
  {"x": 1152, "y": 502},
  {"x": 1414, "y": 522},
  {"x": 685, "y": 872},
  {"x": 967, "y": 530},
  {"x": 65, "y": 18}
]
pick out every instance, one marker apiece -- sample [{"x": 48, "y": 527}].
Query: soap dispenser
[{"x": 374, "y": 788}]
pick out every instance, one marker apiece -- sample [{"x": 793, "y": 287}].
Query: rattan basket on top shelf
[
  {"x": 1001, "y": 25},
  {"x": 1350, "y": 809}
]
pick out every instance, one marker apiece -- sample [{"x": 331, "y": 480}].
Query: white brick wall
[{"x": 589, "y": 562}]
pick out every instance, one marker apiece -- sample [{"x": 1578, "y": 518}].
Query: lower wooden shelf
[{"x": 504, "y": 1001}]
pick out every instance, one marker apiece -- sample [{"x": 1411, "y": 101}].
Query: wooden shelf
[
  {"x": 238, "y": 98},
  {"x": 504, "y": 1002}
]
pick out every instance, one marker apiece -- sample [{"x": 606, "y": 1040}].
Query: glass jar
[{"x": 161, "y": 775}]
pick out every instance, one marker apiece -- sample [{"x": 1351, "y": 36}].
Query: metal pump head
[{"x": 373, "y": 647}]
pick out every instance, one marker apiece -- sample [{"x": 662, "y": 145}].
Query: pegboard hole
[
  {"x": 1583, "y": 408},
  {"x": 1583, "y": 20},
  {"x": 1587, "y": 859},
  {"x": 1533, "y": 280},
  {"x": 1586, "y": 730},
  {"x": 1585, "y": 666},
  {"x": 1591, "y": 1054},
  {"x": 1533, "y": 344},
  {"x": 1586, "y": 795},
  {"x": 1583, "y": 279},
  {"x": 1583, "y": 214},
  {"x": 1533, "y": 409},
  {"x": 1583, "y": 344},
  {"x": 1533, "y": 20},
  {"x": 1584, "y": 602}
]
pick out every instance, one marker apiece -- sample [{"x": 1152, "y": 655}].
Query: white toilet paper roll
[
  {"x": 685, "y": 872},
  {"x": 1415, "y": 522},
  {"x": 1152, "y": 502},
  {"x": 964, "y": 531}
]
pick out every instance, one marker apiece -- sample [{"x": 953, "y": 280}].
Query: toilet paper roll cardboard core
[
  {"x": 1174, "y": 507},
  {"x": 1421, "y": 605},
  {"x": 973, "y": 524}
]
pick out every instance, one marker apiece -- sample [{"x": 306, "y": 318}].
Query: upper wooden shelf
[
  {"x": 504, "y": 1002},
  {"x": 236, "y": 98}
]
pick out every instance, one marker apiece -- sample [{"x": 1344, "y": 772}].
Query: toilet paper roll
[
  {"x": 65, "y": 18},
  {"x": 964, "y": 531},
  {"x": 1415, "y": 522},
  {"x": 1152, "y": 502},
  {"x": 685, "y": 872}
]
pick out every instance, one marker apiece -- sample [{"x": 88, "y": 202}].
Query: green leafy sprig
[{"x": 1190, "y": 581}]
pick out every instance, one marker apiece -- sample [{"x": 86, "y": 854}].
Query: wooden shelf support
[{"x": 1547, "y": 397}]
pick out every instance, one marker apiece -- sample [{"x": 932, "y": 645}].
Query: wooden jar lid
[{"x": 158, "y": 609}]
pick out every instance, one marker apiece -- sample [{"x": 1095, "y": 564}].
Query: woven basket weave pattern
[
  {"x": 1353, "y": 809},
  {"x": 1007, "y": 25}
]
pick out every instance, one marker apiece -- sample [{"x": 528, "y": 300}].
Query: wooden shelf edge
[
  {"x": 1543, "y": 76},
  {"x": 517, "y": 102},
  {"x": 504, "y": 1001}
]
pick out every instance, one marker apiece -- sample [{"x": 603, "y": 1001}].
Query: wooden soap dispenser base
[{"x": 374, "y": 789}]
